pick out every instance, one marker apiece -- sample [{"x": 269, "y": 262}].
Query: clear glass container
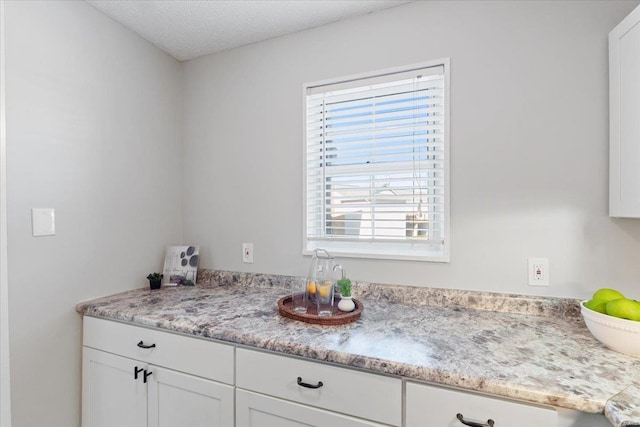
[{"x": 321, "y": 282}]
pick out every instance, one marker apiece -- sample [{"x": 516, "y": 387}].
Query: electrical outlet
[
  {"x": 247, "y": 252},
  {"x": 538, "y": 270}
]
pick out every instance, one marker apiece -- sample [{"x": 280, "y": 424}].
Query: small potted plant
[
  {"x": 186, "y": 282},
  {"x": 155, "y": 280},
  {"x": 346, "y": 302}
]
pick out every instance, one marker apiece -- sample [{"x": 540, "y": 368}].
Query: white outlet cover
[
  {"x": 247, "y": 252},
  {"x": 43, "y": 222},
  {"x": 543, "y": 278}
]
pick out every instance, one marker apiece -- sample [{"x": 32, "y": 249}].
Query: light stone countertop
[{"x": 528, "y": 348}]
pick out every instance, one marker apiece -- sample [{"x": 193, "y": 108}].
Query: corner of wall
[{"x": 5, "y": 395}]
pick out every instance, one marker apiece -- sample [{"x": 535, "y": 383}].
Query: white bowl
[{"x": 618, "y": 334}]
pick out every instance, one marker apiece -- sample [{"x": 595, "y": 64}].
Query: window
[{"x": 377, "y": 164}]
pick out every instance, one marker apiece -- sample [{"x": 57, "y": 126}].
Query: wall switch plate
[
  {"x": 538, "y": 271},
  {"x": 43, "y": 222},
  {"x": 247, "y": 252}
]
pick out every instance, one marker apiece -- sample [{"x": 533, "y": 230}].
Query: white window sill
[{"x": 386, "y": 251}]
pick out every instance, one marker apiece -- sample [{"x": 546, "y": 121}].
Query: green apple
[
  {"x": 624, "y": 309},
  {"x": 606, "y": 294},
  {"x": 597, "y": 305}
]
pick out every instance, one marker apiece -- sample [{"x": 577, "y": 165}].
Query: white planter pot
[{"x": 346, "y": 304}]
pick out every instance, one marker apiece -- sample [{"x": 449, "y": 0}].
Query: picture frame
[{"x": 181, "y": 264}]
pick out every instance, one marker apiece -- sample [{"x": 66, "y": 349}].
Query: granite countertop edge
[
  {"x": 622, "y": 410},
  {"x": 620, "y": 406}
]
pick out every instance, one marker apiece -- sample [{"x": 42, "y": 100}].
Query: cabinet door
[
  {"x": 624, "y": 110},
  {"x": 179, "y": 400},
  {"x": 434, "y": 406},
  {"x": 110, "y": 394},
  {"x": 256, "y": 410}
]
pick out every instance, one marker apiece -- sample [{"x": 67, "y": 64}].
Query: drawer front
[
  {"x": 369, "y": 396},
  {"x": 438, "y": 407},
  {"x": 187, "y": 354},
  {"x": 258, "y": 410}
]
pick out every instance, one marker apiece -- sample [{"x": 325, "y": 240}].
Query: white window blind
[{"x": 376, "y": 165}]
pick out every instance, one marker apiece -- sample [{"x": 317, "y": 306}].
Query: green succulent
[
  {"x": 155, "y": 276},
  {"x": 345, "y": 287}
]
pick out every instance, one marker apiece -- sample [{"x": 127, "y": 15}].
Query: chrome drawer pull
[
  {"x": 141, "y": 344},
  {"x": 300, "y": 383},
  {"x": 489, "y": 423}
]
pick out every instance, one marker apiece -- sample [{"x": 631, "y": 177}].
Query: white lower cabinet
[
  {"x": 122, "y": 391},
  {"x": 434, "y": 406},
  {"x": 140, "y": 377},
  {"x": 177, "y": 400},
  {"x": 257, "y": 410},
  {"x": 274, "y": 390},
  {"x": 110, "y": 396}
]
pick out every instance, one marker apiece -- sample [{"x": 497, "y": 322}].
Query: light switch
[{"x": 43, "y": 222}]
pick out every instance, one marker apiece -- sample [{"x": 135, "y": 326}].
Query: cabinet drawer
[
  {"x": 370, "y": 396},
  {"x": 438, "y": 407},
  {"x": 258, "y": 410},
  {"x": 187, "y": 354}
]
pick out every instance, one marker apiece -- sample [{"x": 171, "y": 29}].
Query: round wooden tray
[{"x": 337, "y": 317}]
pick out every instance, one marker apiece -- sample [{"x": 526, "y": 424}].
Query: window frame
[{"x": 410, "y": 250}]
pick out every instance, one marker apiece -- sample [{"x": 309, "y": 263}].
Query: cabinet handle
[
  {"x": 141, "y": 344},
  {"x": 136, "y": 371},
  {"x": 300, "y": 383},
  {"x": 146, "y": 374},
  {"x": 489, "y": 423}
]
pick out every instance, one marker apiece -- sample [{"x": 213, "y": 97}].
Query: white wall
[
  {"x": 93, "y": 130},
  {"x": 529, "y": 143},
  {"x": 5, "y": 385}
]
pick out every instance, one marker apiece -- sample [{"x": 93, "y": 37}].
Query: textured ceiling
[{"x": 187, "y": 29}]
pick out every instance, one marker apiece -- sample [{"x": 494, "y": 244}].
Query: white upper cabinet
[{"x": 624, "y": 117}]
